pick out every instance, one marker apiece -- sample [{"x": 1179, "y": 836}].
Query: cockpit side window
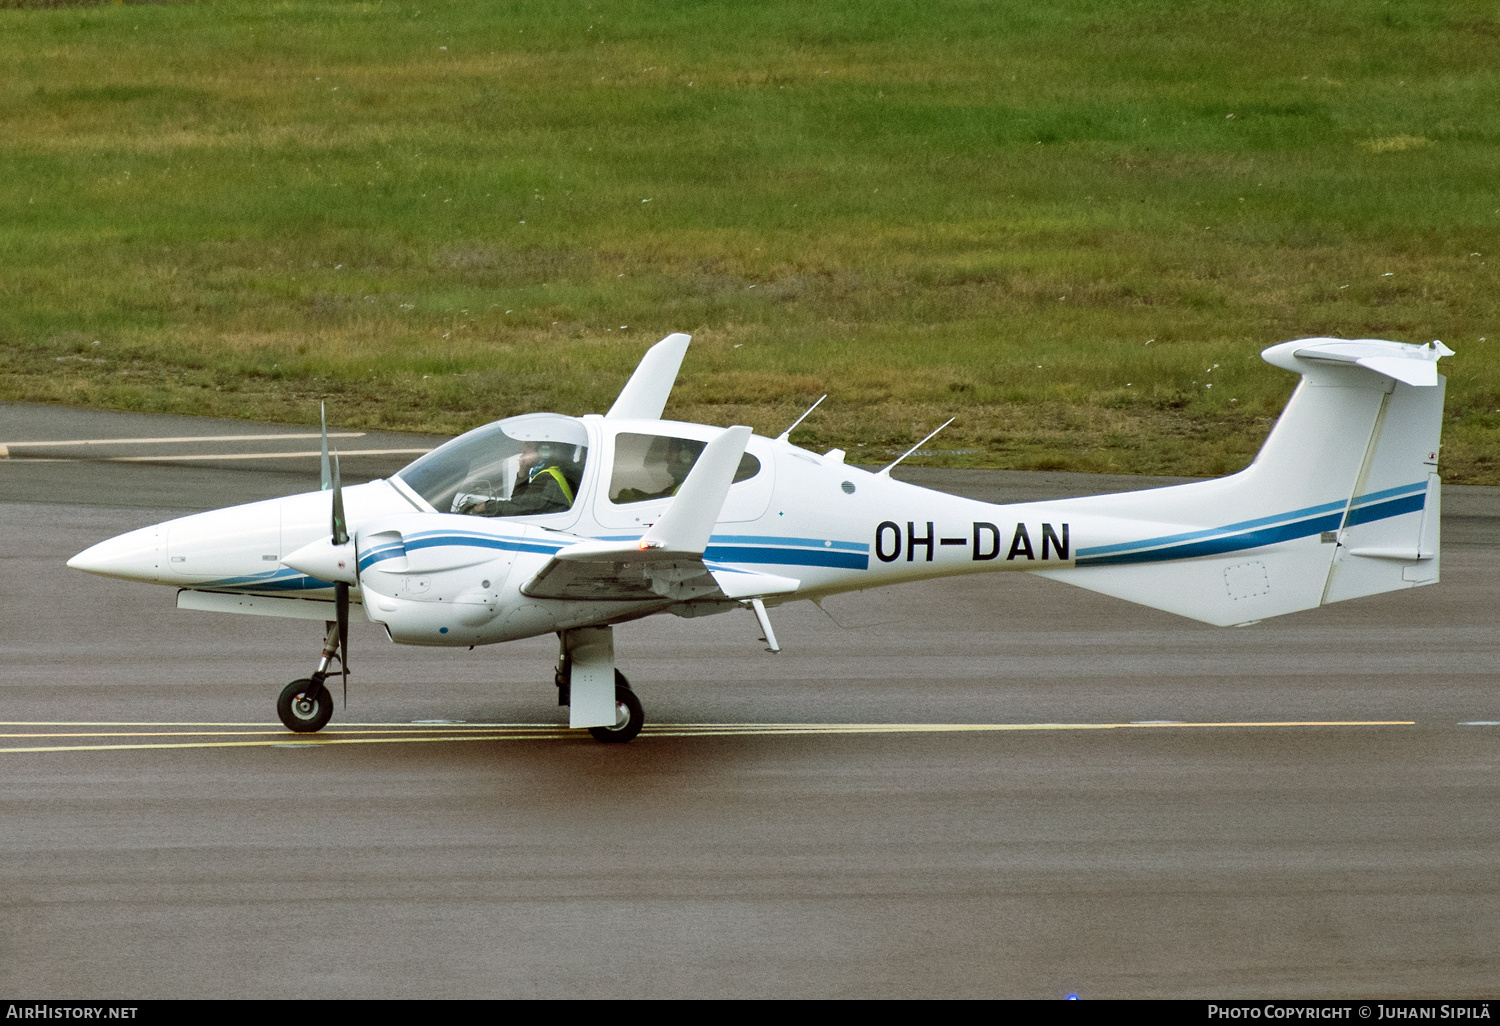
[
  {"x": 654, "y": 466},
  {"x": 523, "y": 466}
]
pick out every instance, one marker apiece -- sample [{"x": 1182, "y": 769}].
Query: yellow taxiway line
[{"x": 409, "y": 733}]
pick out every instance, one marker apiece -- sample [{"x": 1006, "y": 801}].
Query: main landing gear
[
  {"x": 305, "y": 705},
  {"x": 585, "y": 670},
  {"x": 629, "y": 716}
]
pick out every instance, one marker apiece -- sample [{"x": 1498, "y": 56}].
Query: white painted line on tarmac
[
  {"x": 177, "y": 458},
  {"x": 1480, "y": 723},
  {"x": 172, "y": 441}
]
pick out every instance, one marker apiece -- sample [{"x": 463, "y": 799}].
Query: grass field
[{"x": 1062, "y": 222}]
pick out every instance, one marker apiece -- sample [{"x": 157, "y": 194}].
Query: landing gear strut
[{"x": 305, "y": 705}]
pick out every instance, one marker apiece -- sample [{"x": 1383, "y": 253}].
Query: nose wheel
[{"x": 305, "y": 706}]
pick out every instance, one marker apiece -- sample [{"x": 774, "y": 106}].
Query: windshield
[{"x": 517, "y": 467}]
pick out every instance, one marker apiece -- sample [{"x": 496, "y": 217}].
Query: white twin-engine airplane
[{"x": 545, "y": 524}]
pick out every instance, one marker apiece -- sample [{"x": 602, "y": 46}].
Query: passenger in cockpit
[{"x": 676, "y": 457}]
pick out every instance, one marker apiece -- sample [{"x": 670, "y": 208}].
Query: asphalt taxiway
[{"x": 973, "y": 787}]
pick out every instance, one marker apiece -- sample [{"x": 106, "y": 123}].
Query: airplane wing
[
  {"x": 667, "y": 562},
  {"x": 593, "y": 570}
]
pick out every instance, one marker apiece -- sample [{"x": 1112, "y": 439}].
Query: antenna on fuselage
[
  {"x": 886, "y": 471},
  {"x": 787, "y": 433}
]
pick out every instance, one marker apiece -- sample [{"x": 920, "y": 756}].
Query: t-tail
[{"x": 1342, "y": 500}]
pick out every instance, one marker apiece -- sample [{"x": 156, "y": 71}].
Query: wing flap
[
  {"x": 611, "y": 571},
  {"x": 624, "y": 580}
]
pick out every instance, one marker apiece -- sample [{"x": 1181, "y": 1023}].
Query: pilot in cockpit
[{"x": 546, "y": 481}]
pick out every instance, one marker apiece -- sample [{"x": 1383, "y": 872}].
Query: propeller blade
[
  {"x": 340, "y": 589},
  {"x": 340, "y": 525},
  {"x": 327, "y": 477},
  {"x": 341, "y": 610}
]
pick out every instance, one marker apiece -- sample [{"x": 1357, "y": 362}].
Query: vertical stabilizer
[{"x": 1341, "y": 501}]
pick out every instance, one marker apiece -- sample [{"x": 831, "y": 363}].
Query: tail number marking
[{"x": 985, "y": 542}]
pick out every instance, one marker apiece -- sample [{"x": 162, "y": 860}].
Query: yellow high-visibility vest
[{"x": 557, "y": 475}]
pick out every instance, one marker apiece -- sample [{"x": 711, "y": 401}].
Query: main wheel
[
  {"x": 304, "y": 706},
  {"x": 629, "y": 717}
]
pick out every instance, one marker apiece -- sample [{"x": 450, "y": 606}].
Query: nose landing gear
[{"x": 305, "y": 705}]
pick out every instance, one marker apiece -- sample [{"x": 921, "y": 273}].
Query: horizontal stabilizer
[{"x": 1410, "y": 365}]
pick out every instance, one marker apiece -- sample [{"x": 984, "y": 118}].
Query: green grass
[{"x": 1039, "y": 217}]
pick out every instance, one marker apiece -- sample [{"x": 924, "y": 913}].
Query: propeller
[
  {"x": 327, "y": 477},
  {"x": 332, "y": 559},
  {"x": 340, "y": 588}
]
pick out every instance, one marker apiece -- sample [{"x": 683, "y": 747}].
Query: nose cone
[
  {"x": 325, "y": 561},
  {"x": 133, "y": 556}
]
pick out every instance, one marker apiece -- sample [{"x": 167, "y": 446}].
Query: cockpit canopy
[{"x": 522, "y": 466}]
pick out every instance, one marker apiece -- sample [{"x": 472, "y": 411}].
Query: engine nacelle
[
  {"x": 441, "y": 579},
  {"x": 436, "y": 580}
]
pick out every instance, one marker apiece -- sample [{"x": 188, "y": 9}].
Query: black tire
[
  {"x": 629, "y": 709},
  {"x": 302, "y": 709}
]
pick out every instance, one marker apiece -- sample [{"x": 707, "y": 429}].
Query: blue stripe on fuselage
[
  {"x": 1383, "y": 510},
  {"x": 440, "y": 540},
  {"x": 787, "y": 557},
  {"x": 1416, "y": 492},
  {"x": 1216, "y": 546},
  {"x": 1173, "y": 539},
  {"x": 1411, "y": 503}
]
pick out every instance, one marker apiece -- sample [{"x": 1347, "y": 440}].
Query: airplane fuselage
[{"x": 830, "y": 526}]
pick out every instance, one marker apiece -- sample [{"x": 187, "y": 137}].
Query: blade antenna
[
  {"x": 327, "y": 477},
  {"x": 785, "y": 434},
  {"x": 887, "y": 470}
]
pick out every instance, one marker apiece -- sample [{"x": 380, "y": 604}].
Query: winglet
[
  {"x": 645, "y": 394},
  {"x": 689, "y": 520}
]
